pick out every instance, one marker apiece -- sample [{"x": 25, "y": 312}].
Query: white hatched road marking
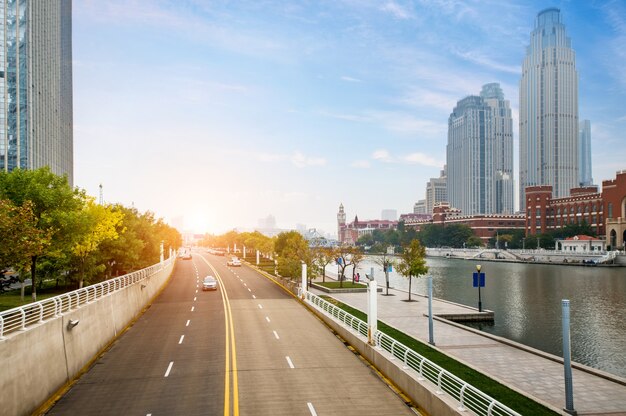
[
  {"x": 289, "y": 362},
  {"x": 260, "y": 306},
  {"x": 181, "y": 339},
  {"x": 311, "y": 409},
  {"x": 276, "y": 335},
  {"x": 192, "y": 308},
  {"x": 267, "y": 319},
  {"x": 187, "y": 324},
  {"x": 253, "y": 297}
]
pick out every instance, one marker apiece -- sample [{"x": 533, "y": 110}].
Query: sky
[{"x": 215, "y": 114}]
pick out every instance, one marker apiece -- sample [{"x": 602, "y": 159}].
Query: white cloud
[
  {"x": 299, "y": 160},
  {"x": 405, "y": 123},
  {"x": 361, "y": 164},
  {"x": 382, "y": 154},
  {"x": 422, "y": 159},
  {"x": 481, "y": 59},
  {"x": 350, "y": 79},
  {"x": 396, "y": 10}
]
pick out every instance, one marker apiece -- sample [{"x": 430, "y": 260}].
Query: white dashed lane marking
[
  {"x": 289, "y": 362},
  {"x": 169, "y": 368}
]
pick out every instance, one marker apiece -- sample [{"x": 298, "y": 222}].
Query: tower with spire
[{"x": 341, "y": 223}]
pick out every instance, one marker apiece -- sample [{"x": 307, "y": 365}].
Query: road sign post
[{"x": 479, "y": 281}]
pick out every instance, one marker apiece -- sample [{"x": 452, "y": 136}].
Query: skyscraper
[
  {"x": 436, "y": 191},
  {"x": 36, "y": 123},
  {"x": 480, "y": 154},
  {"x": 584, "y": 153},
  {"x": 548, "y": 116}
]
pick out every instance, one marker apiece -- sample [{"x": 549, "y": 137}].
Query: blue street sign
[
  {"x": 389, "y": 269},
  {"x": 478, "y": 279},
  {"x": 340, "y": 261}
]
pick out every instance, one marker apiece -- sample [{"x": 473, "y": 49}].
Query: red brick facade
[
  {"x": 484, "y": 226},
  {"x": 604, "y": 211}
]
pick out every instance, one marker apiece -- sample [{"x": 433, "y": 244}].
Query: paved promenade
[{"x": 518, "y": 367}]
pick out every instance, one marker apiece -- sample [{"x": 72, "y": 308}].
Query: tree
[
  {"x": 322, "y": 257},
  {"x": 95, "y": 224},
  {"x": 474, "y": 241},
  {"x": 356, "y": 258},
  {"x": 53, "y": 201},
  {"x": 292, "y": 250},
  {"x": 385, "y": 261},
  {"x": 20, "y": 238},
  {"x": 412, "y": 262}
]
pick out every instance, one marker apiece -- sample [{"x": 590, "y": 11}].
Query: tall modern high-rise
[
  {"x": 480, "y": 154},
  {"x": 436, "y": 191},
  {"x": 36, "y": 123},
  {"x": 548, "y": 111},
  {"x": 584, "y": 153}
]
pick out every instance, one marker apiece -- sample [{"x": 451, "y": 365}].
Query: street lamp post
[{"x": 480, "y": 303}]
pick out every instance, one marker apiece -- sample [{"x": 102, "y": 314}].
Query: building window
[{"x": 609, "y": 211}]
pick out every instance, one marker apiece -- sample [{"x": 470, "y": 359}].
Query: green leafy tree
[
  {"x": 474, "y": 241},
  {"x": 412, "y": 262},
  {"x": 53, "y": 202},
  {"x": 292, "y": 250},
  {"x": 95, "y": 224},
  {"x": 20, "y": 238}
]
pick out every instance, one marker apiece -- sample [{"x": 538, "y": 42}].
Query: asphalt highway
[{"x": 248, "y": 348}]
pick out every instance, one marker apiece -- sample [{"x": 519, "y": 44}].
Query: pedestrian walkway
[{"x": 519, "y": 367}]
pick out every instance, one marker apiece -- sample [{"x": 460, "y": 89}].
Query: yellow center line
[{"x": 231, "y": 351}]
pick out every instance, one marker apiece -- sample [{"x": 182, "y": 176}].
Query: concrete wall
[
  {"x": 39, "y": 361},
  {"x": 422, "y": 393}
]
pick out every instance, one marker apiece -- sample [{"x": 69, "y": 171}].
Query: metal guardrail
[
  {"x": 18, "y": 319},
  {"x": 469, "y": 397}
]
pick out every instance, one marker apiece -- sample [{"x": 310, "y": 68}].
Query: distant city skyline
[{"x": 222, "y": 112}]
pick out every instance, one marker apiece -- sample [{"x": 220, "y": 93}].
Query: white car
[
  {"x": 234, "y": 262},
  {"x": 209, "y": 283}
]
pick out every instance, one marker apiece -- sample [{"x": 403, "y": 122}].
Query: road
[{"x": 249, "y": 348}]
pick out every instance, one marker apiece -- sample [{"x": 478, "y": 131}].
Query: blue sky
[{"x": 222, "y": 112}]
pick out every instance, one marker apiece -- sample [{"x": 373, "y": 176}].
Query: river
[{"x": 526, "y": 299}]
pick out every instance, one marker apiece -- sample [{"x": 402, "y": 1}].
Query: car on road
[
  {"x": 234, "y": 262},
  {"x": 186, "y": 256},
  {"x": 209, "y": 283}
]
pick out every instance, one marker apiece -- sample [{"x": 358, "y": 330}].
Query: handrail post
[
  {"x": 461, "y": 397},
  {"x": 439, "y": 379}
]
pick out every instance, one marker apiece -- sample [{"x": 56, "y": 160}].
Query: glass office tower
[
  {"x": 36, "y": 123},
  {"x": 479, "y": 154},
  {"x": 584, "y": 153},
  {"x": 549, "y": 109}
]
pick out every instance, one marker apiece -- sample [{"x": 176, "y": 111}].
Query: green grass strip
[
  {"x": 345, "y": 285},
  {"x": 516, "y": 401}
]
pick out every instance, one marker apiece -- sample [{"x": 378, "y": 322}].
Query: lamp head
[{"x": 478, "y": 268}]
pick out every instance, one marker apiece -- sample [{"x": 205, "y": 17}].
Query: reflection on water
[{"x": 526, "y": 299}]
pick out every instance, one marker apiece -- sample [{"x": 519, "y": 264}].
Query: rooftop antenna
[{"x": 101, "y": 199}]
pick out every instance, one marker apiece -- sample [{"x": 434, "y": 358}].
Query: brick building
[
  {"x": 604, "y": 211},
  {"x": 484, "y": 226}
]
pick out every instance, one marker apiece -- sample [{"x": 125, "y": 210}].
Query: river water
[{"x": 526, "y": 299}]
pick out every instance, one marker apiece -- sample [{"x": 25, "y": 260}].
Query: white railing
[
  {"x": 18, "y": 319},
  {"x": 469, "y": 397}
]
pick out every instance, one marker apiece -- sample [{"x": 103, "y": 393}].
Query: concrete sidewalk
[{"x": 532, "y": 372}]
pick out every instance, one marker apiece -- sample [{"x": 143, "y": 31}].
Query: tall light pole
[{"x": 480, "y": 303}]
